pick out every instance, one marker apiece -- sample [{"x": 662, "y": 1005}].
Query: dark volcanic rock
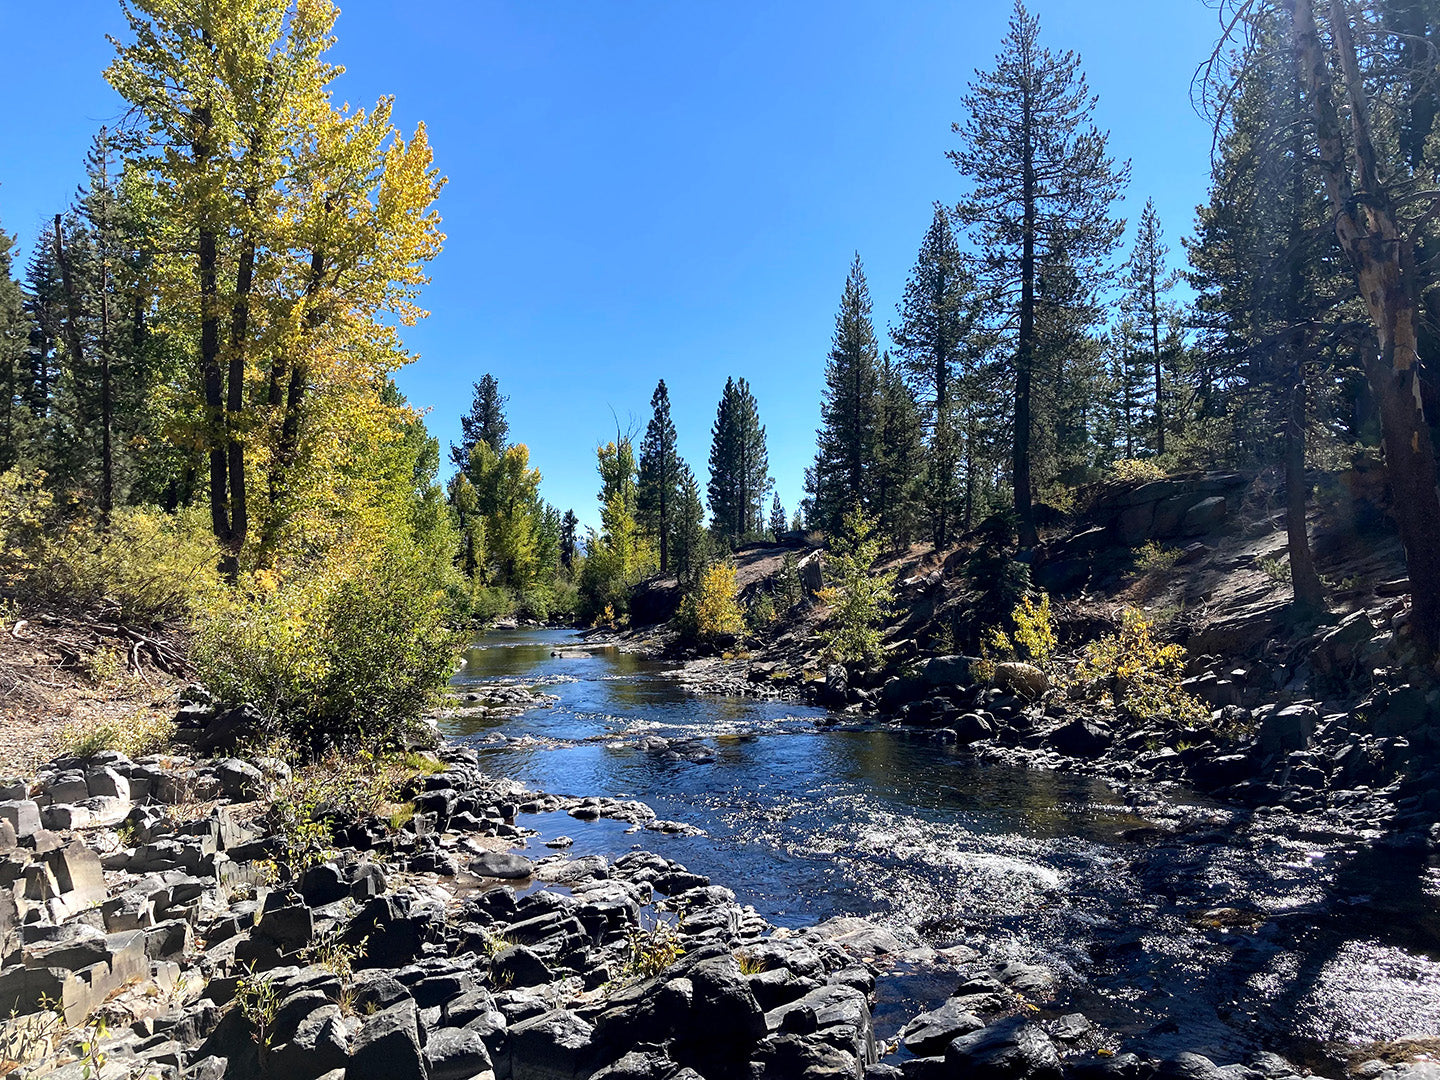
[{"x": 1010, "y": 1050}]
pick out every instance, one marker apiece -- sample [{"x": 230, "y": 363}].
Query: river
[{"x": 1177, "y": 924}]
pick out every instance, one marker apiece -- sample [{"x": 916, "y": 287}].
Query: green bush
[
  {"x": 148, "y": 564},
  {"x": 345, "y": 654}
]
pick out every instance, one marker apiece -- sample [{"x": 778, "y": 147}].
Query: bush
[
  {"x": 1033, "y": 638},
  {"x": 344, "y": 654},
  {"x": 861, "y": 597},
  {"x": 1143, "y": 673},
  {"x": 150, "y": 565},
  {"x": 1136, "y": 470},
  {"x": 144, "y": 732},
  {"x": 760, "y": 613},
  {"x": 711, "y": 612},
  {"x": 1152, "y": 558}
]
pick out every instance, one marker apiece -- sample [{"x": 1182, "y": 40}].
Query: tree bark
[{"x": 1382, "y": 257}]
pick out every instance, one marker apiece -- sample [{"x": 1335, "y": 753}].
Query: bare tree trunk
[
  {"x": 1305, "y": 583},
  {"x": 1382, "y": 256}
]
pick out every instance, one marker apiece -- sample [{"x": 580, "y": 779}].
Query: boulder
[
  {"x": 23, "y": 816},
  {"x": 456, "y": 1054},
  {"x": 555, "y": 1045},
  {"x": 929, "y": 1033},
  {"x": 946, "y": 671},
  {"x": 1025, "y": 680},
  {"x": 1205, "y": 516},
  {"x": 1082, "y": 738},
  {"x": 1286, "y": 729},
  {"x": 387, "y": 1046},
  {"x": 240, "y": 781},
  {"x": 502, "y": 864},
  {"x": 1013, "y": 1049}
]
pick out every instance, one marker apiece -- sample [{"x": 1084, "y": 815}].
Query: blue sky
[{"x": 642, "y": 190}]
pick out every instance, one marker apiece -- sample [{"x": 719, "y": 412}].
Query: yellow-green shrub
[
  {"x": 346, "y": 652},
  {"x": 1034, "y": 637},
  {"x": 150, "y": 564},
  {"x": 1136, "y": 470},
  {"x": 859, "y": 594},
  {"x": 711, "y": 611},
  {"x": 1144, "y": 673}
]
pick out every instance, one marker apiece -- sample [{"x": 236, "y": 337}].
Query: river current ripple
[{"x": 1211, "y": 933}]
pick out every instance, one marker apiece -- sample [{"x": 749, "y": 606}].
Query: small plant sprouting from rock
[
  {"x": 258, "y": 1000},
  {"x": 337, "y": 957},
  {"x": 650, "y": 951},
  {"x": 750, "y": 964},
  {"x": 1276, "y": 568}
]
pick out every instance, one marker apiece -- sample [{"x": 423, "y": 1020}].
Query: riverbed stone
[
  {"x": 1288, "y": 728},
  {"x": 388, "y": 1045},
  {"x": 555, "y": 1045},
  {"x": 1012, "y": 1049},
  {"x": 502, "y": 864},
  {"x": 931, "y": 1032},
  {"x": 23, "y": 816},
  {"x": 1023, "y": 679}
]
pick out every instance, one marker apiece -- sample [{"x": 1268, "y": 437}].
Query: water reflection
[{"x": 805, "y": 825}]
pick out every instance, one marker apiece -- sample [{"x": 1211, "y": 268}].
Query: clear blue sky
[{"x": 642, "y": 190}]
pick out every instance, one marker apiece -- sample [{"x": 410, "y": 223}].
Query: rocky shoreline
[{"x": 159, "y": 923}]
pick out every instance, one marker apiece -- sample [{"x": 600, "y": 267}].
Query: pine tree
[
  {"x": 569, "y": 539},
  {"x": 1147, "y": 283},
  {"x": 1042, "y": 181},
  {"x": 659, "y": 476},
  {"x": 485, "y": 422},
  {"x": 899, "y": 460},
  {"x": 14, "y": 340},
  {"x": 739, "y": 465},
  {"x": 691, "y": 539},
  {"x": 777, "y": 517},
  {"x": 937, "y": 316},
  {"x": 847, "y": 443}
]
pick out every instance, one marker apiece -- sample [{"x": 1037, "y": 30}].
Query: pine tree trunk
[
  {"x": 1155, "y": 356},
  {"x": 1382, "y": 258},
  {"x": 1020, "y": 457}
]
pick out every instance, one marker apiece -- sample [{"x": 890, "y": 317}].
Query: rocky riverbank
[{"x": 160, "y": 921}]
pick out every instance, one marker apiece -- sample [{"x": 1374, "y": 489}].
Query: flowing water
[{"x": 1174, "y": 923}]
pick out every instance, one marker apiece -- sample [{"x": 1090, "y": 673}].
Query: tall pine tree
[
  {"x": 660, "y": 464},
  {"x": 848, "y": 440},
  {"x": 739, "y": 465},
  {"x": 1042, "y": 182},
  {"x": 485, "y": 422}
]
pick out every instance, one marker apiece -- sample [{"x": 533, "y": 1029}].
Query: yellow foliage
[
  {"x": 1144, "y": 673},
  {"x": 1136, "y": 470},
  {"x": 1033, "y": 639},
  {"x": 712, "y": 611}
]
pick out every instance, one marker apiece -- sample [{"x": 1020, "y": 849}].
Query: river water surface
[{"x": 1178, "y": 925}]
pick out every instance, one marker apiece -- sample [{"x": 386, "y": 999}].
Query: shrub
[
  {"x": 711, "y": 612},
  {"x": 788, "y": 587},
  {"x": 1136, "y": 470},
  {"x": 1033, "y": 638},
  {"x": 861, "y": 597},
  {"x": 1144, "y": 674},
  {"x": 760, "y": 613},
  {"x": 143, "y": 732},
  {"x": 1152, "y": 558},
  {"x": 347, "y": 653},
  {"x": 149, "y": 564},
  {"x": 1276, "y": 568},
  {"x": 998, "y": 580}
]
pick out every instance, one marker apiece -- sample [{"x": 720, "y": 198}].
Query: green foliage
[
  {"x": 343, "y": 654},
  {"x": 147, "y": 731},
  {"x": 258, "y": 999},
  {"x": 998, "y": 581},
  {"x": 711, "y": 612},
  {"x": 760, "y": 613},
  {"x": 1276, "y": 568},
  {"x": 787, "y": 586},
  {"x": 739, "y": 465},
  {"x": 151, "y": 565},
  {"x": 649, "y": 952},
  {"x": 1155, "y": 558},
  {"x": 860, "y": 597},
  {"x": 1143, "y": 673}
]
